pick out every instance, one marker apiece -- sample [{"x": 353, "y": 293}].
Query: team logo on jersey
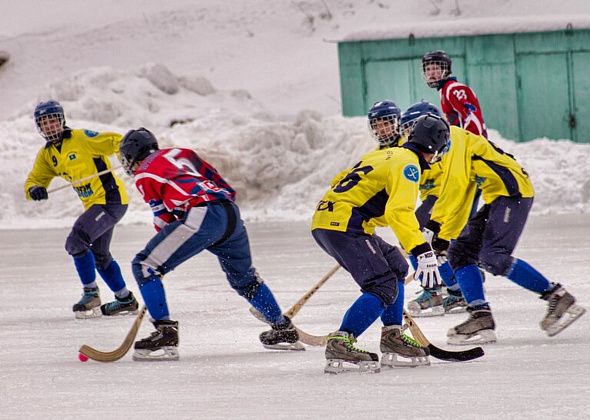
[
  {"x": 72, "y": 156},
  {"x": 90, "y": 133},
  {"x": 412, "y": 173}
]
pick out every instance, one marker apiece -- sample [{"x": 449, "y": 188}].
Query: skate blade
[
  {"x": 123, "y": 313},
  {"x": 338, "y": 366},
  {"x": 296, "y": 346},
  {"x": 89, "y": 314},
  {"x": 573, "y": 313},
  {"x": 428, "y": 312},
  {"x": 480, "y": 337},
  {"x": 162, "y": 354},
  {"x": 396, "y": 360}
]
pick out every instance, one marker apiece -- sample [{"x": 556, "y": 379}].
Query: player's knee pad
[
  {"x": 459, "y": 256},
  {"x": 103, "y": 261},
  {"x": 245, "y": 285},
  {"x": 76, "y": 244},
  {"x": 142, "y": 272},
  {"x": 496, "y": 263},
  {"x": 385, "y": 289}
]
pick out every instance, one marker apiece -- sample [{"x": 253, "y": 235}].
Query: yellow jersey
[
  {"x": 82, "y": 154},
  {"x": 380, "y": 190}
]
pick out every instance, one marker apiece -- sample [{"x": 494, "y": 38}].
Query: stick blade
[{"x": 455, "y": 356}]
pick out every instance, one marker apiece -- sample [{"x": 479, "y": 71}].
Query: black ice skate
[
  {"x": 89, "y": 304},
  {"x": 120, "y": 306},
  {"x": 478, "y": 329},
  {"x": 343, "y": 356},
  {"x": 162, "y": 344},
  {"x": 561, "y": 311},
  {"x": 454, "y": 302},
  {"x": 281, "y": 337},
  {"x": 399, "y": 350}
]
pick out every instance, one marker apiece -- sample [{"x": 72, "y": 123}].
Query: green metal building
[{"x": 530, "y": 84}]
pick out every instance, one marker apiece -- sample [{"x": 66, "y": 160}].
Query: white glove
[
  {"x": 427, "y": 271},
  {"x": 428, "y": 235}
]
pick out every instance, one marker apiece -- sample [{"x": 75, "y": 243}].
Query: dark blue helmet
[
  {"x": 50, "y": 120},
  {"x": 433, "y": 60},
  {"x": 410, "y": 115},
  {"x": 135, "y": 146},
  {"x": 384, "y": 123},
  {"x": 431, "y": 135}
]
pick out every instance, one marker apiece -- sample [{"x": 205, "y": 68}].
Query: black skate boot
[
  {"x": 561, "y": 311},
  {"x": 340, "y": 349},
  {"x": 281, "y": 337},
  {"x": 89, "y": 305},
  {"x": 454, "y": 302},
  {"x": 120, "y": 306},
  {"x": 429, "y": 303},
  {"x": 400, "y": 350},
  {"x": 162, "y": 344},
  {"x": 478, "y": 329}
]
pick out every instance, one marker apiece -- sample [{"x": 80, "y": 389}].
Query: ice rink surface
[{"x": 223, "y": 371}]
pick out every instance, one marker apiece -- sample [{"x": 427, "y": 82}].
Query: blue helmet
[
  {"x": 50, "y": 120},
  {"x": 384, "y": 123},
  {"x": 436, "y": 59},
  {"x": 409, "y": 116}
]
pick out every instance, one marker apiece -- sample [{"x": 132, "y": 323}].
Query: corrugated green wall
[{"x": 530, "y": 85}]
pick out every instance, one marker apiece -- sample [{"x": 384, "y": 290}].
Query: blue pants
[
  {"x": 374, "y": 264},
  {"x": 93, "y": 231},
  {"x": 489, "y": 238}
]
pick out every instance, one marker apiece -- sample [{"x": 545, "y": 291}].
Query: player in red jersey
[
  {"x": 194, "y": 210},
  {"x": 457, "y": 100}
]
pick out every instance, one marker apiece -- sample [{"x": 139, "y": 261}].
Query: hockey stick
[
  {"x": 82, "y": 180},
  {"x": 437, "y": 352},
  {"x": 119, "y": 352},
  {"x": 309, "y": 339}
]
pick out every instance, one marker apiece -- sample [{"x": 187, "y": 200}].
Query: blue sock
[
  {"x": 363, "y": 312},
  {"x": 152, "y": 291},
  {"x": 393, "y": 314},
  {"x": 526, "y": 276},
  {"x": 471, "y": 284},
  {"x": 113, "y": 278},
  {"x": 448, "y": 276},
  {"x": 265, "y": 302},
  {"x": 86, "y": 268}
]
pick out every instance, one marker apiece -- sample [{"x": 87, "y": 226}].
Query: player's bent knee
[{"x": 496, "y": 263}]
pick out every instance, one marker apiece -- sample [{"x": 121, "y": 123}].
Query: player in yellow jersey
[
  {"x": 490, "y": 237},
  {"x": 75, "y": 154},
  {"x": 380, "y": 190}
]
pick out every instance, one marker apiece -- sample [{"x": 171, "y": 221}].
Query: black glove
[
  {"x": 440, "y": 248},
  {"x": 38, "y": 193}
]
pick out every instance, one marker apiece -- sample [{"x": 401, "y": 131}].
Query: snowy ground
[{"x": 225, "y": 373}]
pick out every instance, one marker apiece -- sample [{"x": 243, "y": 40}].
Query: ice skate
[
  {"x": 429, "y": 303},
  {"x": 120, "y": 306},
  {"x": 89, "y": 304},
  {"x": 478, "y": 329},
  {"x": 281, "y": 337},
  {"x": 400, "y": 350},
  {"x": 561, "y": 311},
  {"x": 343, "y": 356},
  {"x": 454, "y": 303},
  {"x": 162, "y": 344}
]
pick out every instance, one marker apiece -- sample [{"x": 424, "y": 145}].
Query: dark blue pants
[
  {"x": 93, "y": 231},
  {"x": 489, "y": 238},
  {"x": 375, "y": 265}
]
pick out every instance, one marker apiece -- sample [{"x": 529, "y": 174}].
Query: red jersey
[
  {"x": 174, "y": 180},
  {"x": 461, "y": 107}
]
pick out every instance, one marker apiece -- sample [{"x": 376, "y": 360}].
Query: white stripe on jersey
[{"x": 175, "y": 239}]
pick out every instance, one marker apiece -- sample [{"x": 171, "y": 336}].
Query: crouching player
[{"x": 381, "y": 190}]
